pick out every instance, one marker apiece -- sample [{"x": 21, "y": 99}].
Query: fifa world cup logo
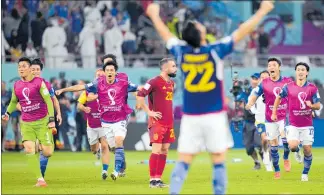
[
  {"x": 302, "y": 98},
  {"x": 111, "y": 96},
  {"x": 25, "y": 93},
  {"x": 277, "y": 91}
]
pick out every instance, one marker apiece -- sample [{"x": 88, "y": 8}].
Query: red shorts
[{"x": 161, "y": 135}]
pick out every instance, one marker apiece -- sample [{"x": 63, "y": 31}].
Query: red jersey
[{"x": 160, "y": 95}]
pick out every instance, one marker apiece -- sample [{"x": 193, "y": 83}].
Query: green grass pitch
[{"x": 76, "y": 173}]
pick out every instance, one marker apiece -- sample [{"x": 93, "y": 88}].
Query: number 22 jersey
[{"x": 202, "y": 73}]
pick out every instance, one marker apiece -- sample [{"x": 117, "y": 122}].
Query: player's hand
[
  {"x": 153, "y": 10},
  {"x": 59, "y": 92},
  {"x": 87, "y": 110},
  {"x": 91, "y": 97},
  {"x": 155, "y": 115},
  {"x": 309, "y": 104},
  {"x": 51, "y": 125},
  {"x": 5, "y": 117},
  {"x": 274, "y": 117},
  {"x": 266, "y": 6},
  {"x": 59, "y": 119}
]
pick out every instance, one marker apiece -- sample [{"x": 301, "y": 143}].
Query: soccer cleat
[
  {"x": 161, "y": 184},
  {"x": 41, "y": 183},
  {"x": 154, "y": 184},
  {"x": 298, "y": 157},
  {"x": 277, "y": 175},
  {"x": 104, "y": 175},
  {"x": 287, "y": 165},
  {"x": 257, "y": 166},
  {"x": 304, "y": 177},
  {"x": 122, "y": 174},
  {"x": 114, "y": 175}
]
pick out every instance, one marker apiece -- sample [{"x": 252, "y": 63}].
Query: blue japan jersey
[{"x": 202, "y": 73}]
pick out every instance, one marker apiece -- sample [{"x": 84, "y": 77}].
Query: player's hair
[
  {"x": 265, "y": 71},
  {"x": 112, "y": 56},
  {"x": 274, "y": 60},
  {"x": 164, "y": 61},
  {"x": 24, "y": 59},
  {"x": 302, "y": 64},
  {"x": 191, "y": 34},
  {"x": 38, "y": 62},
  {"x": 112, "y": 63}
]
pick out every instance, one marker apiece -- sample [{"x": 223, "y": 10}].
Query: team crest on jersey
[{"x": 156, "y": 136}]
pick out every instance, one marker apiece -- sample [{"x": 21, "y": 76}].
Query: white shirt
[{"x": 258, "y": 109}]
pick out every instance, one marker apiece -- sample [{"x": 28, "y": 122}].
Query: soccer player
[
  {"x": 303, "y": 98},
  {"x": 160, "y": 124},
  {"x": 95, "y": 132},
  {"x": 259, "y": 110},
  {"x": 204, "y": 123},
  {"x": 112, "y": 93},
  {"x": 271, "y": 88},
  {"x": 37, "y": 119}
]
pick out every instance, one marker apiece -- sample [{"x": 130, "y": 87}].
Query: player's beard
[{"x": 172, "y": 75}]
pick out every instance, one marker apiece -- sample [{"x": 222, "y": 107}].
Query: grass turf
[{"x": 76, "y": 173}]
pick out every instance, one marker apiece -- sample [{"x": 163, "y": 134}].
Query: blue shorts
[{"x": 260, "y": 128}]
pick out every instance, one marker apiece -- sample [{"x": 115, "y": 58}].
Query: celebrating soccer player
[
  {"x": 112, "y": 93},
  {"x": 37, "y": 119},
  {"x": 271, "y": 88},
  {"x": 160, "y": 111},
  {"x": 204, "y": 122},
  {"x": 259, "y": 110},
  {"x": 95, "y": 132},
  {"x": 303, "y": 98}
]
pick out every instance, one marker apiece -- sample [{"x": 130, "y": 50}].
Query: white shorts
[
  {"x": 113, "y": 130},
  {"x": 303, "y": 134},
  {"x": 274, "y": 129},
  {"x": 94, "y": 134},
  {"x": 210, "y": 132}
]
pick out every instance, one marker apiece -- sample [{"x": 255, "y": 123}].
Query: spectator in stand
[
  {"x": 62, "y": 9},
  {"x": 4, "y": 47},
  {"x": 129, "y": 44},
  {"x": 23, "y": 29},
  {"x": 114, "y": 9},
  {"x": 210, "y": 36},
  {"x": 264, "y": 41},
  {"x": 123, "y": 21},
  {"x": 77, "y": 24},
  {"x": 38, "y": 27},
  {"x": 11, "y": 23},
  {"x": 30, "y": 51},
  {"x": 134, "y": 10},
  {"x": 87, "y": 45},
  {"x": 173, "y": 24},
  {"x": 32, "y": 6},
  {"x": 250, "y": 59}
]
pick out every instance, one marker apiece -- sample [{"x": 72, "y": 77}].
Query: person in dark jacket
[{"x": 38, "y": 27}]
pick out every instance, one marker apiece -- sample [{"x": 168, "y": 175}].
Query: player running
[
  {"x": 112, "y": 93},
  {"x": 204, "y": 122},
  {"x": 95, "y": 132},
  {"x": 160, "y": 124},
  {"x": 303, "y": 98},
  {"x": 37, "y": 120},
  {"x": 271, "y": 88},
  {"x": 259, "y": 110}
]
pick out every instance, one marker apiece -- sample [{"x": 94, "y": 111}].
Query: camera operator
[{"x": 251, "y": 138}]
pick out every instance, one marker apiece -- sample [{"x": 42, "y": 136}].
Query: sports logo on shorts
[
  {"x": 259, "y": 129},
  {"x": 277, "y": 91},
  {"x": 112, "y": 95},
  {"x": 156, "y": 136},
  {"x": 302, "y": 98},
  {"x": 25, "y": 93}
]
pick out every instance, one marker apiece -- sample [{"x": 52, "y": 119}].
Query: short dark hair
[
  {"x": 110, "y": 64},
  {"x": 112, "y": 56},
  {"x": 265, "y": 71},
  {"x": 191, "y": 34},
  {"x": 38, "y": 62},
  {"x": 274, "y": 60},
  {"x": 302, "y": 64},
  {"x": 164, "y": 61},
  {"x": 24, "y": 59}
]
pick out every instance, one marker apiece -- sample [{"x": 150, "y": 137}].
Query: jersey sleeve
[
  {"x": 316, "y": 96},
  {"x": 147, "y": 89},
  {"x": 92, "y": 87},
  {"x": 284, "y": 92},
  {"x": 223, "y": 47},
  {"x": 174, "y": 46},
  {"x": 258, "y": 90},
  {"x": 52, "y": 92},
  {"x": 131, "y": 87},
  {"x": 83, "y": 98},
  {"x": 47, "y": 99},
  {"x": 13, "y": 102}
]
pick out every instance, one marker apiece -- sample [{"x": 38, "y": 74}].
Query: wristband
[
  {"x": 7, "y": 113},
  {"x": 51, "y": 119}
]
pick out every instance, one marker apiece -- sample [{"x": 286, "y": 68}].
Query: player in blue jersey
[{"x": 204, "y": 123}]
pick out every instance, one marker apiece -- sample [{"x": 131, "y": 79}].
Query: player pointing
[
  {"x": 204, "y": 123},
  {"x": 303, "y": 98}
]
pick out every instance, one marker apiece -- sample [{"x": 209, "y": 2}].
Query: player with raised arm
[
  {"x": 37, "y": 120},
  {"x": 271, "y": 88},
  {"x": 95, "y": 132},
  {"x": 160, "y": 124},
  {"x": 204, "y": 123},
  {"x": 259, "y": 110},
  {"x": 112, "y": 93},
  {"x": 303, "y": 98}
]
